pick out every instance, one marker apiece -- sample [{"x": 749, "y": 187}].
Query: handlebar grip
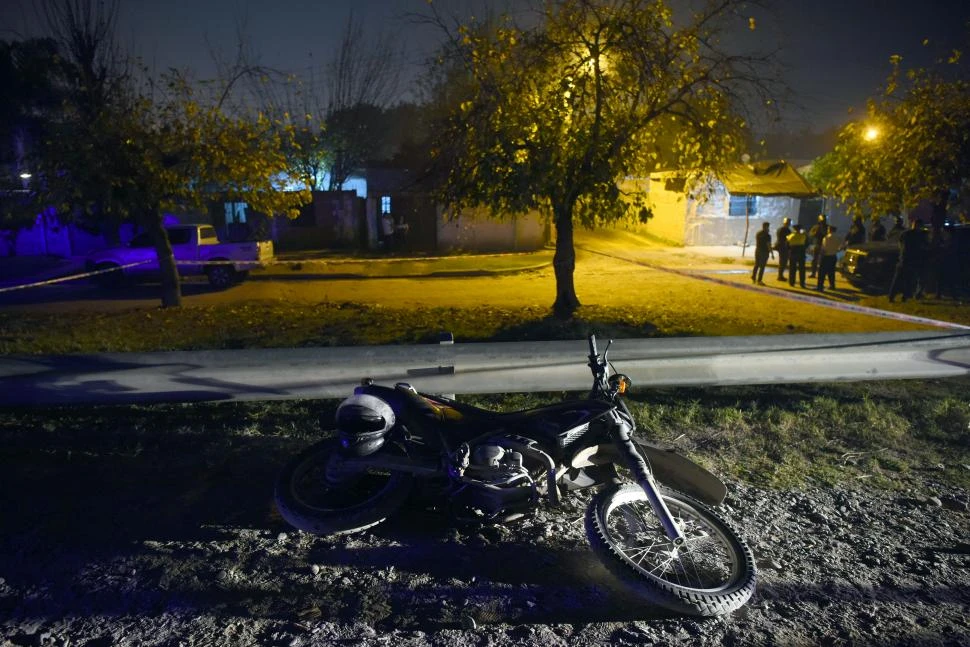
[{"x": 592, "y": 346}]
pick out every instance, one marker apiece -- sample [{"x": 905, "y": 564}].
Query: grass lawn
[
  {"x": 619, "y": 300},
  {"x": 877, "y": 432},
  {"x": 882, "y": 434}
]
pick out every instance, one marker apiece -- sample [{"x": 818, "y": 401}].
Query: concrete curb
[
  {"x": 309, "y": 276},
  {"x": 491, "y": 367},
  {"x": 69, "y": 269}
]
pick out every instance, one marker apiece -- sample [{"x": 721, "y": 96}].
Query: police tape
[
  {"x": 237, "y": 264},
  {"x": 118, "y": 268},
  {"x": 803, "y": 298},
  {"x": 71, "y": 277},
  {"x": 227, "y": 262}
]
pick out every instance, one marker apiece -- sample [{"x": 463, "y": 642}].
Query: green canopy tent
[{"x": 774, "y": 179}]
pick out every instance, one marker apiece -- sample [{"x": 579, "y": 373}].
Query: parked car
[
  {"x": 870, "y": 266},
  {"x": 197, "y": 250}
]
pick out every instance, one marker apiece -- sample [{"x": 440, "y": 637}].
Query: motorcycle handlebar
[{"x": 596, "y": 365}]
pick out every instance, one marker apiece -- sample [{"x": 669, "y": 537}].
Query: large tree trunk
[
  {"x": 171, "y": 286},
  {"x": 564, "y": 263}
]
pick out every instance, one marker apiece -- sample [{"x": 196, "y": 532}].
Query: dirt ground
[{"x": 162, "y": 531}]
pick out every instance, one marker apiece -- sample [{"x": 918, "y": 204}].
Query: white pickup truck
[{"x": 197, "y": 250}]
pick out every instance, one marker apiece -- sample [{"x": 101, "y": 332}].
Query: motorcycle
[{"x": 657, "y": 533}]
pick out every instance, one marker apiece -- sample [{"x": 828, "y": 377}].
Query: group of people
[
  {"x": 925, "y": 258},
  {"x": 791, "y": 243}
]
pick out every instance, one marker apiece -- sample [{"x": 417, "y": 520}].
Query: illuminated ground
[
  {"x": 154, "y": 526},
  {"x": 671, "y": 303}
]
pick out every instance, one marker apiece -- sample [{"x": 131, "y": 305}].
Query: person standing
[
  {"x": 816, "y": 234},
  {"x": 949, "y": 265},
  {"x": 830, "y": 247},
  {"x": 762, "y": 250},
  {"x": 796, "y": 255},
  {"x": 937, "y": 251},
  {"x": 401, "y": 229},
  {"x": 897, "y": 230},
  {"x": 781, "y": 245},
  {"x": 912, "y": 253},
  {"x": 857, "y": 232},
  {"x": 878, "y": 231},
  {"x": 387, "y": 232}
]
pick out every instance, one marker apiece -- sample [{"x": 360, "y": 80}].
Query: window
[
  {"x": 207, "y": 233},
  {"x": 141, "y": 240},
  {"x": 385, "y": 204},
  {"x": 743, "y": 204},
  {"x": 235, "y": 212},
  {"x": 675, "y": 184},
  {"x": 180, "y": 236}
]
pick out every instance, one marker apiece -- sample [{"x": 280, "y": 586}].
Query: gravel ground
[{"x": 174, "y": 541}]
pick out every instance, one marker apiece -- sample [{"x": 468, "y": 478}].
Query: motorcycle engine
[
  {"x": 495, "y": 485},
  {"x": 497, "y": 458}
]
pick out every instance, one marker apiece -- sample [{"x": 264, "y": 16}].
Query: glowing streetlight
[
  {"x": 871, "y": 134},
  {"x": 25, "y": 176}
]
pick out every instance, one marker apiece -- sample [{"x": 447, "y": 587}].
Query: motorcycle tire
[
  {"x": 712, "y": 574},
  {"x": 312, "y": 494}
]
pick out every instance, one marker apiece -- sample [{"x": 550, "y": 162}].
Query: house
[
  {"x": 349, "y": 220},
  {"x": 726, "y": 209},
  {"x": 49, "y": 236}
]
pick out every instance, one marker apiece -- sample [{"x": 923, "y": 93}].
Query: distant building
[
  {"x": 720, "y": 210},
  {"x": 347, "y": 220}
]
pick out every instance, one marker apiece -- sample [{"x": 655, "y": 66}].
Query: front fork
[{"x": 644, "y": 478}]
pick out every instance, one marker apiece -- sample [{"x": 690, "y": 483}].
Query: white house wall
[
  {"x": 708, "y": 222},
  {"x": 475, "y": 229}
]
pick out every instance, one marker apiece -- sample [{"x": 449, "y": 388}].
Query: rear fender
[{"x": 668, "y": 467}]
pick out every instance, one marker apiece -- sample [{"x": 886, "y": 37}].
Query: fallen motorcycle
[{"x": 656, "y": 533}]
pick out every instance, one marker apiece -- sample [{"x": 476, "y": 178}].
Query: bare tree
[
  {"x": 362, "y": 80},
  {"x": 85, "y": 32},
  {"x": 297, "y": 104},
  {"x": 363, "y": 70}
]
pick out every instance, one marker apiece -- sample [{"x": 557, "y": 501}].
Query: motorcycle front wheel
[
  {"x": 712, "y": 573},
  {"x": 315, "y": 492}
]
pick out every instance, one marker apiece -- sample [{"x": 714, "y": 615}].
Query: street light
[{"x": 871, "y": 134}]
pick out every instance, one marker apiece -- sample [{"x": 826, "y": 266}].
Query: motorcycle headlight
[{"x": 620, "y": 383}]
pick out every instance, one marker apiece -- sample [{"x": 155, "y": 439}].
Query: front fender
[{"x": 668, "y": 467}]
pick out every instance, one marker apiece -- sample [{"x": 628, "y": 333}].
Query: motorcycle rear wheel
[
  {"x": 313, "y": 493},
  {"x": 712, "y": 574}
]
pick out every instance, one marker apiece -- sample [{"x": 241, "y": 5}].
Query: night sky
[{"x": 836, "y": 51}]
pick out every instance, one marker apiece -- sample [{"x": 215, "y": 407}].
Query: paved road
[{"x": 273, "y": 374}]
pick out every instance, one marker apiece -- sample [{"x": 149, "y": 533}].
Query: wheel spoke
[
  {"x": 712, "y": 572},
  {"x": 701, "y": 562}
]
